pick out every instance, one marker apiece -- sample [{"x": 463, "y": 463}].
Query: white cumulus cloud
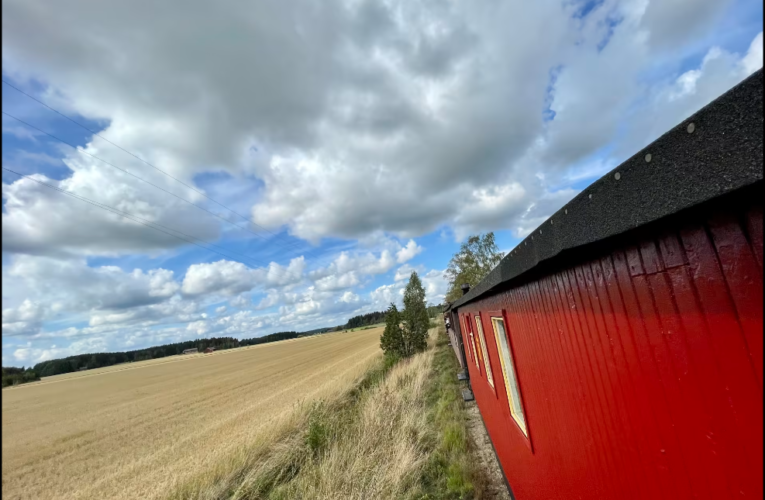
[{"x": 408, "y": 252}]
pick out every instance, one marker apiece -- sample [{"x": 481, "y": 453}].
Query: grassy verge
[
  {"x": 451, "y": 469},
  {"x": 400, "y": 433}
]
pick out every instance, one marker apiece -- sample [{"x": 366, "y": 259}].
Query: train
[{"x": 616, "y": 352}]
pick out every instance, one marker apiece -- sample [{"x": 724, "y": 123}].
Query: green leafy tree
[
  {"x": 392, "y": 339},
  {"x": 477, "y": 256},
  {"x": 16, "y": 376},
  {"x": 415, "y": 316}
]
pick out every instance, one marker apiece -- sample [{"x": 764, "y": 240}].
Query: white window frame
[
  {"x": 467, "y": 333},
  {"x": 472, "y": 341},
  {"x": 484, "y": 351},
  {"x": 509, "y": 373}
]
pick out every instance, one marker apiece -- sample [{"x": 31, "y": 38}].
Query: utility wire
[
  {"x": 144, "y": 161},
  {"x": 132, "y": 174},
  {"x": 153, "y": 225}
]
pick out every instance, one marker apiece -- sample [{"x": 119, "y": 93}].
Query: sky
[{"x": 186, "y": 169}]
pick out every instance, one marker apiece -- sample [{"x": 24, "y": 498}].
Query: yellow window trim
[
  {"x": 472, "y": 341},
  {"x": 520, "y": 419},
  {"x": 484, "y": 351}
]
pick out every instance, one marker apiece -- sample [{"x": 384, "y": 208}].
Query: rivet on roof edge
[
  {"x": 648, "y": 158},
  {"x": 590, "y": 196},
  {"x": 691, "y": 127},
  {"x": 617, "y": 176}
]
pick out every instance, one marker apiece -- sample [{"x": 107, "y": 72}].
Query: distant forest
[
  {"x": 365, "y": 320},
  {"x": 98, "y": 360},
  {"x": 318, "y": 330},
  {"x": 435, "y": 311},
  {"x": 375, "y": 318}
]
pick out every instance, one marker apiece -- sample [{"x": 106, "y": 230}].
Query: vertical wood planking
[
  {"x": 578, "y": 427},
  {"x": 559, "y": 440},
  {"x": 754, "y": 228},
  {"x": 667, "y": 391},
  {"x": 744, "y": 279},
  {"x": 744, "y": 395},
  {"x": 719, "y": 429},
  {"x": 596, "y": 405},
  {"x": 620, "y": 372},
  {"x": 641, "y": 407}
]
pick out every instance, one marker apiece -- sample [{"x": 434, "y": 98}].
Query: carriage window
[
  {"x": 484, "y": 351},
  {"x": 478, "y": 348},
  {"x": 508, "y": 372},
  {"x": 467, "y": 333},
  {"x": 472, "y": 341}
]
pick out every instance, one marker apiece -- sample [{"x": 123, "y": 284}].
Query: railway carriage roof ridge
[{"x": 716, "y": 151}]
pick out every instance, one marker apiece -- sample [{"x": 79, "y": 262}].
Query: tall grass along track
[{"x": 399, "y": 433}]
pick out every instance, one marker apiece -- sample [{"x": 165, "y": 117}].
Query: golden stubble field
[{"x": 135, "y": 430}]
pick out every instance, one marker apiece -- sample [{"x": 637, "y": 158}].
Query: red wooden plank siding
[
  {"x": 754, "y": 227},
  {"x": 744, "y": 279},
  {"x": 640, "y": 368}
]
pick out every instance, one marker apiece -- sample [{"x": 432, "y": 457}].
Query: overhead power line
[
  {"x": 248, "y": 219},
  {"x": 153, "y": 225},
  {"x": 133, "y": 175}
]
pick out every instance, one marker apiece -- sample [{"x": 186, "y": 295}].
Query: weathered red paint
[{"x": 640, "y": 367}]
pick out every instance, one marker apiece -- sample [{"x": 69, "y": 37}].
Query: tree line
[
  {"x": 14, "y": 376},
  {"x": 271, "y": 338},
  {"x": 372, "y": 318},
  {"x": 375, "y": 318},
  {"x": 435, "y": 311}
]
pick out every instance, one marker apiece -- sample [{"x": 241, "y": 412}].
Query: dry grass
[
  {"x": 363, "y": 444},
  {"x": 380, "y": 455},
  {"x": 400, "y": 433},
  {"x": 144, "y": 429}
]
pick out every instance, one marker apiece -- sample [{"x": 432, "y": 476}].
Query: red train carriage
[{"x": 617, "y": 352}]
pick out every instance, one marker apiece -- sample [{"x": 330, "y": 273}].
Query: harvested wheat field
[{"x": 135, "y": 431}]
